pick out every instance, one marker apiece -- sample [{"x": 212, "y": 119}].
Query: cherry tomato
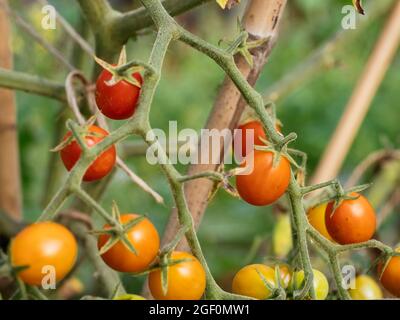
[
  {"x": 266, "y": 183},
  {"x": 258, "y": 135},
  {"x": 186, "y": 280},
  {"x": 143, "y": 236},
  {"x": 353, "y": 221},
  {"x": 366, "y": 288},
  {"x": 118, "y": 101},
  {"x": 316, "y": 217},
  {"x": 391, "y": 276},
  {"x": 43, "y": 244},
  {"x": 103, "y": 163},
  {"x": 320, "y": 283},
  {"x": 248, "y": 282}
]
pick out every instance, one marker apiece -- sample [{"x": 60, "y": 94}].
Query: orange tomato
[
  {"x": 316, "y": 217},
  {"x": 186, "y": 280},
  {"x": 266, "y": 183},
  {"x": 391, "y": 276},
  {"x": 353, "y": 221},
  {"x": 43, "y": 244},
  {"x": 143, "y": 236}
]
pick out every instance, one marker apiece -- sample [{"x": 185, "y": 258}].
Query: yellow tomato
[
  {"x": 366, "y": 288},
  {"x": 248, "y": 282},
  {"x": 316, "y": 217},
  {"x": 320, "y": 283}
]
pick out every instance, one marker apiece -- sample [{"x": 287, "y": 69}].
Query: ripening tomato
[
  {"x": 118, "y": 101},
  {"x": 353, "y": 221},
  {"x": 248, "y": 282},
  {"x": 366, "y": 288},
  {"x": 320, "y": 283},
  {"x": 186, "y": 280},
  {"x": 266, "y": 183},
  {"x": 316, "y": 217},
  {"x": 103, "y": 163},
  {"x": 43, "y": 244},
  {"x": 143, "y": 236},
  {"x": 258, "y": 134},
  {"x": 391, "y": 276}
]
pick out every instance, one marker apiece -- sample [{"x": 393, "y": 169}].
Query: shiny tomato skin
[
  {"x": 119, "y": 101},
  {"x": 258, "y": 135},
  {"x": 265, "y": 184},
  {"x": 248, "y": 282},
  {"x": 391, "y": 276},
  {"x": 43, "y": 244},
  {"x": 103, "y": 164},
  {"x": 316, "y": 217},
  {"x": 186, "y": 280},
  {"x": 353, "y": 221},
  {"x": 366, "y": 288},
  {"x": 143, "y": 236}
]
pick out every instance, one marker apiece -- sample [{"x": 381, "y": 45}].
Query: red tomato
[
  {"x": 103, "y": 163},
  {"x": 143, "y": 236},
  {"x": 259, "y": 134},
  {"x": 118, "y": 101},
  {"x": 353, "y": 221},
  {"x": 265, "y": 184}
]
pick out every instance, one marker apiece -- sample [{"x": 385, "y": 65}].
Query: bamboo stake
[
  {"x": 10, "y": 188},
  {"x": 260, "y": 20},
  {"x": 359, "y": 103}
]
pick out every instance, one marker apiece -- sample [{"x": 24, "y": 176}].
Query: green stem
[{"x": 32, "y": 84}]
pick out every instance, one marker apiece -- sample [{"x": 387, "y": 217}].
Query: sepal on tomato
[{"x": 119, "y": 73}]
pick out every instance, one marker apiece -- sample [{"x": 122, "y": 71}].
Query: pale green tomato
[
  {"x": 320, "y": 283},
  {"x": 366, "y": 288}
]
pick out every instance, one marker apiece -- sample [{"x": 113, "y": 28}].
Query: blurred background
[{"x": 186, "y": 94}]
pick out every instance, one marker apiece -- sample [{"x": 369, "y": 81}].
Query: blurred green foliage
[{"x": 186, "y": 94}]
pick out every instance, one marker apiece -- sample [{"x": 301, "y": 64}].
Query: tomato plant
[
  {"x": 316, "y": 217},
  {"x": 266, "y": 183},
  {"x": 117, "y": 101},
  {"x": 365, "y": 288},
  {"x": 249, "y": 282},
  {"x": 320, "y": 283},
  {"x": 43, "y": 244},
  {"x": 390, "y": 278},
  {"x": 353, "y": 221},
  {"x": 103, "y": 164},
  {"x": 186, "y": 280},
  {"x": 144, "y": 238}
]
